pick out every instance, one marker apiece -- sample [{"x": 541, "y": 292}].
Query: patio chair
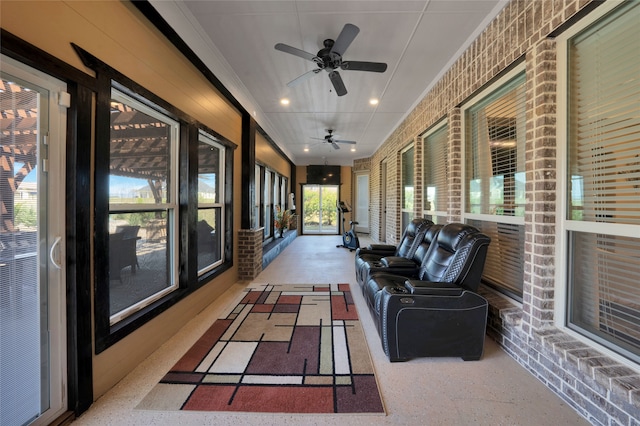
[{"x": 122, "y": 250}]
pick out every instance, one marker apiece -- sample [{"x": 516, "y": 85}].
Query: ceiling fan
[
  {"x": 330, "y": 138},
  {"x": 330, "y": 59}
]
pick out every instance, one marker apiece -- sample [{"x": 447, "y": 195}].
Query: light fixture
[
  {"x": 373, "y": 101},
  {"x": 353, "y": 150},
  {"x": 284, "y": 101},
  {"x": 306, "y": 150}
]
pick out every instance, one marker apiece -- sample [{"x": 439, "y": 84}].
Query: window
[
  {"x": 271, "y": 194},
  {"x": 143, "y": 146},
  {"x": 258, "y": 220},
  {"x": 495, "y": 179},
  {"x": 407, "y": 165},
  {"x": 436, "y": 173},
  {"x": 210, "y": 202},
  {"x": 268, "y": 204},
  {"x": 602, "y": 221}
]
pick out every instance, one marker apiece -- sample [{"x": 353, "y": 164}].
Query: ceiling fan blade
[
  {"x": 307, "y": 75},
  {"x": 338, "y": 84},
  {"x": 348, "y": 33},
  {"x": 364, "y": 66},
  {"x": 317, "y": 139},
  {"x": 341, "y": 141},
  {"x": 295, "y": 51},
  {"x": 335, "y": 145}
]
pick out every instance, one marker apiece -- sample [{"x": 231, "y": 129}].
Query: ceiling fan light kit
[{"x": 329, "y": 58}]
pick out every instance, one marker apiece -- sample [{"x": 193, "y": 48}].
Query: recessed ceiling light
[
  {"x": 353, "y": 150},
  {"x": 284, "y": 101},
  {"x": 306, "y": 150},
  {"x": 373, "y": 101}
]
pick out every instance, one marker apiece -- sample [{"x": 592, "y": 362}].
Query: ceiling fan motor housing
[{"x": 330, "y": 60}]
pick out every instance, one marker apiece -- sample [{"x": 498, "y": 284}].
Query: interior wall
[
  {"x": 117, "y": 34},
  {"x": 266, "y": 154}
]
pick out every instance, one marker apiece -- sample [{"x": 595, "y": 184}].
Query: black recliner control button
[{"x": 406, "y": 300}]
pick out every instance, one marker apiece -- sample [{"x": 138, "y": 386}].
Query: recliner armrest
[
  {"x": 378, "y": 252},
  {"x": 429, "y": 288},
  {"x": 382, "y": 247},
  {"x": 398, "y": 262}
]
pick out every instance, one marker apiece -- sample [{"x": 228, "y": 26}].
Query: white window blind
[
  {"x": 605, "y": 293},
  {"x": 503, "y": 266},
  {"x": 604, "y": 180},
  {"x": 408, "y": 166},
  {"x": 496, "y": 129},
  {"x": 604, "y": 67},
  {"x": 436, "y": 174}
]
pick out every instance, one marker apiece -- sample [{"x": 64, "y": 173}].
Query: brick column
[
  {"x": 541, "y": 168},
  {"x": 249, "y": 253},
  {"x": 454, "y": 176},
  {"x": 418, "y": 176}
]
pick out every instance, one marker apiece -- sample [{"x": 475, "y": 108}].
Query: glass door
[
  {"x": 32, "y": 293},
  {"x": 362, "y": 203},
  {"x": 319, "y": 211}
]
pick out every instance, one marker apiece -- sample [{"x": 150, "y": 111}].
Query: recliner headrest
[
  {"x": 432, "y": 233},
  {"x": 452, "y": 234},
  {"x": 416, "y": 225}
]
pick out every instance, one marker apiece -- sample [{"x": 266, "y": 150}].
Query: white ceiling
[{"x": 417, "y": 39}]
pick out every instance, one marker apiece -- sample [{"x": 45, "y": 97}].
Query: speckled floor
[{"x": 429, "y": 391}]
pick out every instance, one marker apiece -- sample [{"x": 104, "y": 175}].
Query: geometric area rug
[{"x": 285, "y": 348}]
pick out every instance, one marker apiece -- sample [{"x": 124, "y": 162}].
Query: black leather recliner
[
  {"x": 406, "y": 248},
  {"x": 439, "y": 314},
  {"x": 407, "y": 267}
]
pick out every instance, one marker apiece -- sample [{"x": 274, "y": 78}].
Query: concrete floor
[{"x": 428, "y": 391}]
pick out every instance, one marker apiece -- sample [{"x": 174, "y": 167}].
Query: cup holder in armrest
[{"x": 396, "y": 289}]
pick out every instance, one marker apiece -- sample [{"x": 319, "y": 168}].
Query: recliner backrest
[
  {"x": 456, "y": 256},
  {"x": 430, "y": 235},
  {"x": 411, "y": 237}
]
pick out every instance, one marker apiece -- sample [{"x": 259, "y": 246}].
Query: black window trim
[{"x": 188, "y": 281}]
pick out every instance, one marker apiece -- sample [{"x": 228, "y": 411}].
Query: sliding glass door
[
  {"x": 32, "y": 291},
  {"x": 319, "y": 211}
]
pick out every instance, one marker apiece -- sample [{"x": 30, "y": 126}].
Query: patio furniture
[
  {"x": 122, "y": 250},
  {"x": 440, "y": 314}
]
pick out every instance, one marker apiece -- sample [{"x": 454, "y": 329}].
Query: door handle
[{"x": 55, "y": 244}]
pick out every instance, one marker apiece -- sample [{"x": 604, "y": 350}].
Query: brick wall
[
  {"x": 249, "y": 253},
  {"x": 600, "y": 388}
]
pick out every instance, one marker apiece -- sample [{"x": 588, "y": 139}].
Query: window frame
[
  {"x": 170, "y": 205},
  {"x": 508, "y": 222},
  {"x": 209, "y": 139},
  {"x": 565, "y": 226}
]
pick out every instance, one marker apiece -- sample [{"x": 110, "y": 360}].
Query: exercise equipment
[{"x": 349, "y": 238}]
